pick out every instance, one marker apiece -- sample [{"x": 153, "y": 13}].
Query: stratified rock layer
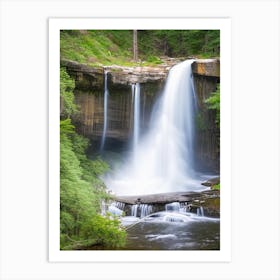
[
  {"x": 206, "y": 67},
  {"x": 206, "y": 74}
]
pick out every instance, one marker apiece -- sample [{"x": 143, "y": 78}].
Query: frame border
[{"x": 222, "y": 255}]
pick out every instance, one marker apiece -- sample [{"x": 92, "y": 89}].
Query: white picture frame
[{"x": 222, "y": 24}]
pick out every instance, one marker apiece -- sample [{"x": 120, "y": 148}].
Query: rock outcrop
[
  {"x": 206, "y": 73},
  {"x": 89, "y": 95},
  {"x": 89, "y": 79},
  {"x": 206, "y": 67},
  {"x": 211, "y": 182},
  {"x": 120, "y": 75}
]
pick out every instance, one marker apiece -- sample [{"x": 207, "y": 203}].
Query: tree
[
  {"x": 135, "y": 46},
  {"x": 67, "y": 85},
  {"x": 81, "y": 192}
]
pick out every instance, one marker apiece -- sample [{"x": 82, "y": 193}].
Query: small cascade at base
[
  {"x": 175, "y": 217},
  {"x": 116, "y": 208},
  {"x": 141, "y": 210},
  {"x": 174, "y": 206},
  {"x": 200, "y": 211},
  {"x": 175, "y": 212}
]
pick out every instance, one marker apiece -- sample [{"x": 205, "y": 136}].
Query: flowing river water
[{"x": 203, "y": 234}]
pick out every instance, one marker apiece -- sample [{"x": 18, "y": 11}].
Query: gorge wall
[
  {"x": 89, "y": 95},
  {"x": 206, "y": 74}
]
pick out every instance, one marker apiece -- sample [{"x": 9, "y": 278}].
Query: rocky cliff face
[
  {"x": 206, "y": 75},
  {"x": 89, "y": 95}
]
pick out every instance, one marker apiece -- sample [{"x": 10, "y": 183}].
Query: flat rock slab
[
  {"x": 141, "y": 74},
  {"x": 211, "y": 182},
  {"x": 206, "y": 67},
  {"x": 163, "y": 198}
]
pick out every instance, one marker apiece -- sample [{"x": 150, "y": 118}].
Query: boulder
[
  {"x": 206, "y": 67},
  {"x": 211, "y": 182},
  {"x": 122, "y": 75}
]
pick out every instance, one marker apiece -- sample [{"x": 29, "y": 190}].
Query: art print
[{"x": 140, "y": 140}]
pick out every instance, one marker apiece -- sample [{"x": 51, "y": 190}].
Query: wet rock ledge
[
  {"x": 209, "y": 200},
  {"x": 92, "y": 77}
]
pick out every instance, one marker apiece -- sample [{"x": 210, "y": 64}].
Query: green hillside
[{"x": 106, "y": 47}]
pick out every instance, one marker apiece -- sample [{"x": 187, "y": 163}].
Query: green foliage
[
  {"x": 66, "y": 93},
  {"x": 154, "y": 59},
  {"x": 99, "y": 166},
  {"x": 176, "y": 43},
  {"x": 81, "y": 192},
  {"x": 104, "y": 230},
  {"x": 66, "y": 126},
  {"x": 216, "y": 187},
  {"x": 213, "y": 103},
  {"x": 75, "y": 193},
  {"x": 107, "y": 47},
  {"x": 96, "y": 47}
]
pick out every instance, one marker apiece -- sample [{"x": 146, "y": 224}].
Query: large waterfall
[{"x": 165, "y": 155}]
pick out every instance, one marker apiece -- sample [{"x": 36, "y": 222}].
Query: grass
[
  {"x": 100, "y": 47},
  {"x": 108, "y": 47}
]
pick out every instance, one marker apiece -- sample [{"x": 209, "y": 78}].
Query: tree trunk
[{"x": 135, "y": 46}]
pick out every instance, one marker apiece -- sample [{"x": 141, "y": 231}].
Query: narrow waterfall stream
[
  {"x": 105, "y": 123},
  {"x": 136, "y": 119}
]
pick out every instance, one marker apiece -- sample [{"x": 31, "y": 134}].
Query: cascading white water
[
  {"x": 200, "y": 211},
  {"x": 174, "y": 206},
  {"x": 144, "y": 210},
  {"x": 136, "y": 118},
  {"x": 164, "y": 160},
  {"x": 105, "y": 122}
]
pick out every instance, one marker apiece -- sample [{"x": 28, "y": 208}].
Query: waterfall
[
  {"x": 119, "y": 205},
  {"x": 164, "y": 160},
  {"x": 200, "y": 211},
  {"x": 136, "y": 118},
  {"x": 116, "y": 208},
  {"x": 174, "y": 206},
  {"x": 141, "y": 210},
  {"x": 136, "y": 115},
  {"x": 105, "y": 122}
]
